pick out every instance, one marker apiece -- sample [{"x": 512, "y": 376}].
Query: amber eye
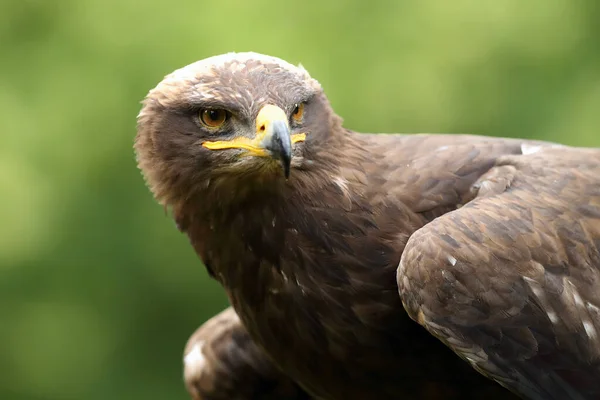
[
  {"x": 213, "y": 118},
  {"x": 298, "y": 112}
]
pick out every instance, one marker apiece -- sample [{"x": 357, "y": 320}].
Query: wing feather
[{"x": 511, "y": 281}]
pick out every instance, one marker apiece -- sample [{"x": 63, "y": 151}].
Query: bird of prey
[
  {"x": 331, "y": 244},
  {"x": 222, "y": 362}
]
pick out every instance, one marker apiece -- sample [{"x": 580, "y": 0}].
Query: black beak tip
[
  {"x": 286, "y": 168},
  {"x": 280, "y": 146},
  {"x": 286, "y": 160}
]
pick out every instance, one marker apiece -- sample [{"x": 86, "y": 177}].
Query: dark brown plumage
[
  {"x": 222, "y": 362},
  {"x": 497, "y": 239}
]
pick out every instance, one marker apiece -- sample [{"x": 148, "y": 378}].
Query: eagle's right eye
[{"x": 213, "y": 118}]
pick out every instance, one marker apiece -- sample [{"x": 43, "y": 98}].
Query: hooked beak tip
[{"x": 279, "y": 144}]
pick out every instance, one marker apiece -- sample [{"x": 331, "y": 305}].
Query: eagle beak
[
  {"x": 273, "y": 138},
  {"x": 273, "y": 131}
]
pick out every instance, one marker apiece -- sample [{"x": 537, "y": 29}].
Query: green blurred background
[{"x": 98, "y": 290}]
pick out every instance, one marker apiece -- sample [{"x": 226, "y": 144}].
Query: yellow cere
[{"x": 265, "y": 117}]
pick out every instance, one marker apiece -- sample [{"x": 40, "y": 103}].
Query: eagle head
[{"x": 234, "y": 121}]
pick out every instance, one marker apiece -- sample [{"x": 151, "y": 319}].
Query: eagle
[{"x": 416, "y": 266}]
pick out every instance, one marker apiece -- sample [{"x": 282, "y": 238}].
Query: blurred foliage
[{"x": 98, "y": 290}]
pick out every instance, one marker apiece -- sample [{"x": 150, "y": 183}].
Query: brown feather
[
  {"x": 222, "y": 363},
  {"x": 520, "y": 302},
  {"x": 310, "y": 263}
]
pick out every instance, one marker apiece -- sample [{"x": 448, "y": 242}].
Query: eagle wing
[
  {"x": 511, "y": 280},
  {"x": 222, "y": 362}
]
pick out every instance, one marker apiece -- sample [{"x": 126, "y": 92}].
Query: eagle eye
[
  {"x": 213, "y": 118},
  {"x": 298, "y": 112}
]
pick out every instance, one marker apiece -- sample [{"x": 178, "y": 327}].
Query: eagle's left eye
[
  {"x": 298, "y": 112},
  {"x": 213, "y": 118}
]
